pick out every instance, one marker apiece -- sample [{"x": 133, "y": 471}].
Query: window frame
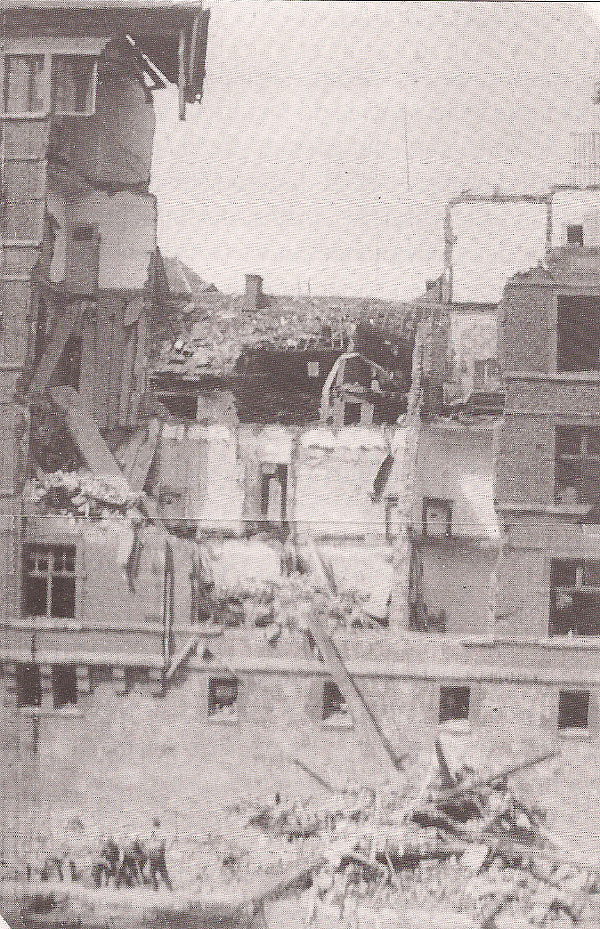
[
  {"x": 566, "y": 729},
  {"x": 579, "y": 236},
  {"x": 441, "y": 503},
  {"x": 49, "y": 550},
  {"x": 444, "y": 692},
  {"x": 581, "y": 459},
  {"x": 215, "y": 715},
  {"x": 554, "y": 343},
  {"x": 47, "y": 83}
]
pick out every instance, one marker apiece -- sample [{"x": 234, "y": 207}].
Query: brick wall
[
  {"x": 525, "y": 460},
  {"x": 524, "y": 334}
]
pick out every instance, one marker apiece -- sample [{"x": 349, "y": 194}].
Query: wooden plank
[
  {"x": 181, "y": 657},
  {"x": 349, "y": 689},
  {"x": 137, "y": 474},
  {"x": 49, "y": 360},
  {"x": 86, "y": 435},
  {"x": 87, "y": 377}
]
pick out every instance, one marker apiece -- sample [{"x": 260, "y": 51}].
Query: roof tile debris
[{"x": 215, "y": 334}]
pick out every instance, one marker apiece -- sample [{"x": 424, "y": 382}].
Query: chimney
[{"x": 254, "y": 291}]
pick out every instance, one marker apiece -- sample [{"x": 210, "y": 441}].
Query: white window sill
[
  {"x": 38, "y": 711},
  {"x": 575, "y": 734},
  {"x": 456, "y": 726},
  {"x": 223, "y": 720}
]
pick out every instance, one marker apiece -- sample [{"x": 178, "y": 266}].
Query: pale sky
[{"x": 331, "y": 134}]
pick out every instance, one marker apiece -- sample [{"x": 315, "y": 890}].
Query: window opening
[
  {"x": 29, "y": 685},
  {"x": 454, "y": 703},
  {"x": 577, "y": 465},
  {"x": 69, "y": 366},
  {"x": 49, "y": 581},
  {"x": 578, "y": 333},
  {"x": 573, "y": 709},
  {"x": 73, "y": 82},
  {"x": 352, "y": 411},
  {"x": 575, "y": 235},
  {"x": 574, "y": 598},
  {"x": 223, "y": 697},
  {"x": 334, "y": 703},
  {"x": 24, "y": 84},
  {"x": 64, "y": 685},
  {"x": 437, "y": 517},
  {"x": 273, "y": 504}
]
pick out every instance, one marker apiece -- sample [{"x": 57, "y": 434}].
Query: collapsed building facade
[{"x": 312, "y": 495}]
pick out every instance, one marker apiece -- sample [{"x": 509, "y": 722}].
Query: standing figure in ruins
[{"x": 156, "y": 850}]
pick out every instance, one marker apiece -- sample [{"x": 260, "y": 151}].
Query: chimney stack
[{"x": 254, "y": 291}]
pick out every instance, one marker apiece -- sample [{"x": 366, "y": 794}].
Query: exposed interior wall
[
  {"x": 456, "y": 463},
  {"x": 473, "y": 337},
  {"x": 458, "y": 581}
]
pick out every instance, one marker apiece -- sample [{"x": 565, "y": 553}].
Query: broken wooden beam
[
  {"x": 446, "y": 778},
  {"x": 137, "y": 473},
  {"x": 86, "y": 435},
  {"x": 53, "y": 353},
  {"x": 349, "y": 689},
  {"x": 316, "y": 777},
  {"x": 181, "y": 657},
  {"x": 504, "y": 773}
]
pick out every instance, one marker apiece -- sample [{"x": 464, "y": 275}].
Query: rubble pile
[
  {"x": 285, "y": 605},
  {"x": 473, "y": 846},
  {"x": 84, "y": 495}
]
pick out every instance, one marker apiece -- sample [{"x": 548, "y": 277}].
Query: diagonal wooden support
[
  {"x": 87, "y": 437},
  {"x": 49, "y": 360},
  {"x": 137, "y": 473},
  {"x": 349, "y": 689}
]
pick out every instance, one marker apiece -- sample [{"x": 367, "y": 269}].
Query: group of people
[{"x": 135, "y": 863}]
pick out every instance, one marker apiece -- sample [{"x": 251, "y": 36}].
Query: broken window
[
  {"x": 334, "y": 703},
  {"x": 577, "y": 465},
  {"x": 24, "y": 84},
  {"x": 73, "y": 84},
  {"x": 29, "y": 685},
  {"x": 64, "y": 685},
  {"x": 222, "y": 697},
  {"x": 437, "y": 517},
  {"x": 574, "y": 598},
  {"x": 49, "y": 580},
  {"x": 454, "y": 703},
  {"x": 273, "y": 501},
  {"x": 578, "y": 333},
  {"x": 575, "y": 235},
  {"x": 573, "y": 709}
]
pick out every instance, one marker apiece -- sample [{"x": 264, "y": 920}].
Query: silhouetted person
[{"x": 156, "y": 850}]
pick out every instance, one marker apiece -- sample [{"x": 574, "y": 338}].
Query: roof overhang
[{"x": 170, "y": 38}]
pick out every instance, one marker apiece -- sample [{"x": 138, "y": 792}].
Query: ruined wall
[
  {"x": 525, "y": 336},
  {"x": 334, "y": 482},
  {"x": 473, "y": 337},
  {"x": 459, "y": 582}
]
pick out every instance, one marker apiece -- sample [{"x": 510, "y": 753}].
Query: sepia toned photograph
[{"x": 299, "y": 464}]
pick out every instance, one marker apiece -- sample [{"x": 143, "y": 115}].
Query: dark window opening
[
  {"x": 222, "y": 697},
  {"x": 575, "y": 235},
  {"x": 64, "y": 685},
  {"x": 334, "y": 704},
  {"x": 29, "y": 685},
  {"x": 573, "y": 709},
  {"x": 577, "y": 465},
  {"x": 352, "y": 413},
  {"x": 454, "y": 703},
  {"x": 49, "y": 581},
  {"x": 574, "y": 598},
  {"x": 437, "y": 517},
  {"x": 69, "y": 366},
  {"x": 578, "y": 333},
  {"x": 273, "y": 502},
  {"x": 73, "y": 79}
]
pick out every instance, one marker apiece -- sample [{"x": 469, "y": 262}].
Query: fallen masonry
[{"x": 461, "y": 848}]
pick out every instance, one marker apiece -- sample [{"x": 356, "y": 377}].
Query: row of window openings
[
  {"x": 223, "y": 695},
  {"x": 37, "y": 84}
]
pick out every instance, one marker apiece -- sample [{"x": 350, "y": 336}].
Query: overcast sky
[{"x": 331, "y": 134}]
